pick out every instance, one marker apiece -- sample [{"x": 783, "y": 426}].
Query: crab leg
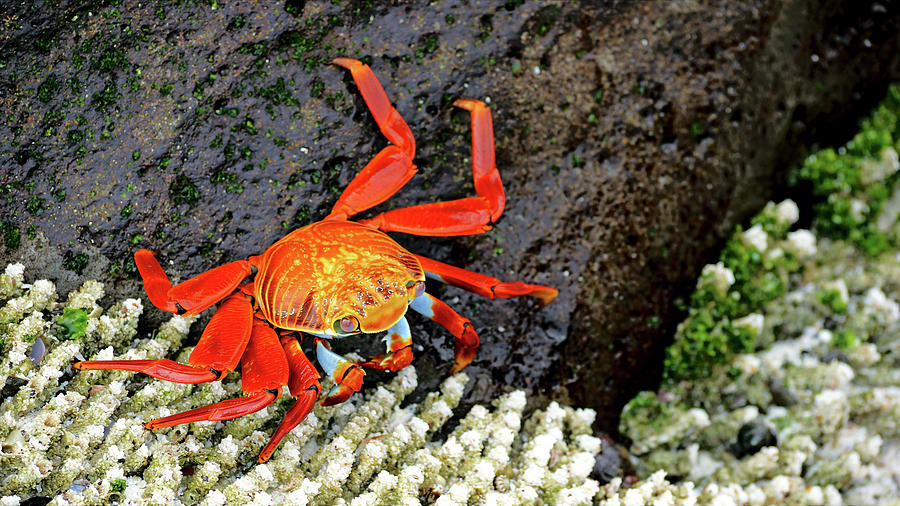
[
  {"x": 466, "y": 338},
  {"x": 347, "y": 376},
  {"x": 264, "y": 371},
  {"x": 195, "y": 294},
  {"x": 217, "y": 353},
  {"x": 399, "y": 349},
  {"x": 486, "y": 286},
  {"x": 487, "y": 177},
  {"x": 466, "y": 216},
  {"x": 225, "y": 337},
  {"x": 304, "y": 385},
  {"x": 163, "y": 369},
  {"x": 392, "y": 167}
]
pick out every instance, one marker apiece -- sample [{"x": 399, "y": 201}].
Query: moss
[
  {"x": 865, "y": 170},
  {"x": 11, "y": 235},
  {"x": 75, "y": 262},
  {"x": 111, "y": 59},
  {"x": 35, "y": 205},
  {"x": 101, "y": 100},
  {"x": 183, "y": 191},
  {"x": 833, "y": 299},
  {"x": 47, "y": 90}
]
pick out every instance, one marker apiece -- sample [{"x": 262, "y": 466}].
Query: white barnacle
[
  {"x": 801, "y": 243},
  {"x": 787, "y": 212},
  {"x": 756, "y": 238},
  {"x": 877, "y": 304},
  {"x": 718, "y": 277}
]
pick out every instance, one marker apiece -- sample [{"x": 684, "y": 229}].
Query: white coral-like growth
[
  {"x": 756, "y": 237},
  {"x": 82, "y": 441}
]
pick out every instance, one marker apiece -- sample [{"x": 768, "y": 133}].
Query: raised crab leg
[
  {"x": 217, "y": 353},
  {"x": 303, "y": 382},
  {"x": 486, "y": 286},
  {"x": 191, "y": 296},
  {"x": 347, "y": 376},
  {"x": 264, "y": 370},
  {"x": 393, "y": 166},
  {"x": 399, "y": 349},
  {"x": 472, "y": 215},
  {"x": 466, "y": 338}
]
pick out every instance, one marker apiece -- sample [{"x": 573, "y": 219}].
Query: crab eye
[
  {"x": 346, "y": 325},
  {"x": 420, "y": 289}
]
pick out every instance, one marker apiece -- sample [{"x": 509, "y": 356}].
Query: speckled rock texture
[{"x": 631, "y": 137}]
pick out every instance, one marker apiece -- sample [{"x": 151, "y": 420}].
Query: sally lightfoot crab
[{"x": 331, "y": 279}]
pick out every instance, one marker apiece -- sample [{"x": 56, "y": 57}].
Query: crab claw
[
  {"x": 351, "y": 383},
  {"x": 347, "y": 376},
  {"x": 392, "y": 362}
]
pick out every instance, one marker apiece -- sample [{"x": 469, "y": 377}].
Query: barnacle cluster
[
  {"x": 77, "y": 437},
  {"x": 783, "y": 384}
]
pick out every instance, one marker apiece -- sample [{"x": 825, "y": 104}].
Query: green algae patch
[
  {"x": 854, "y": 187},
  {"x": 787, "y": 357},
  {"x": 855, "y": 184},
  {"x": 755, "y": 268},
  {"x": 74, "y": 321}
]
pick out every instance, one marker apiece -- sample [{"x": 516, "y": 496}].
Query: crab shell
[{"x": 326, "y": 271}]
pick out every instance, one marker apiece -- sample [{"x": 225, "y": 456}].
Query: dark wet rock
[
  {"x": 631, "y": 136},
  {"x": 782, "y": 395},
  {"x": 12, "y": 385},
  {"x": 753, "y": 436},
  {"x": 612, "y": 461},
  {"x": 836, "y": 355}
]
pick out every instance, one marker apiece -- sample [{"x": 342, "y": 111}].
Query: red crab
[{"x": 331, "y": 279}]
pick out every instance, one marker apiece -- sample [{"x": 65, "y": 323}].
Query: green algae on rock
[
  {"x": 804, "y": 407},
  {"x": 77, "y": 437}
]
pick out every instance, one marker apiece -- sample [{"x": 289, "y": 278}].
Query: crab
[{"x": 331, "y": 279}]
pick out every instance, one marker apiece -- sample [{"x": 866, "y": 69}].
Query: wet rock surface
[{"x": 631, "y": 137}]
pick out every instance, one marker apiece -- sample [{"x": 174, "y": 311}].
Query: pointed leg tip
[
  {"x": 469, "y": 104},
  {"x": 546, "y": 295},
  {"x": 457, "y": 367},
  {"x": 345, "y": 62},
  {"x": 463, "y": 358}
]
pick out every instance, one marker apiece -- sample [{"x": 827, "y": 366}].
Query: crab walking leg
[
  {"x": 225, "y": 337},
  {"x": 264, "y": 371},
  {"x": 392, "y": 167},
  {"x": 217, "y": 353},
  {"x": 487, "y": 177},
  {"x": 388, "y": 119},
  {"x": 399, "y": 349},
  {"x": 163, "y": 369},
  {"x": 486, "y": 286},
  {"x": 466, "y": 338},
  {"x": 467, "y": 216},
  {"x": 347, "y": 376},
  {"x": 304, "y": 385},
  {"x": 195, "y": 294}
]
